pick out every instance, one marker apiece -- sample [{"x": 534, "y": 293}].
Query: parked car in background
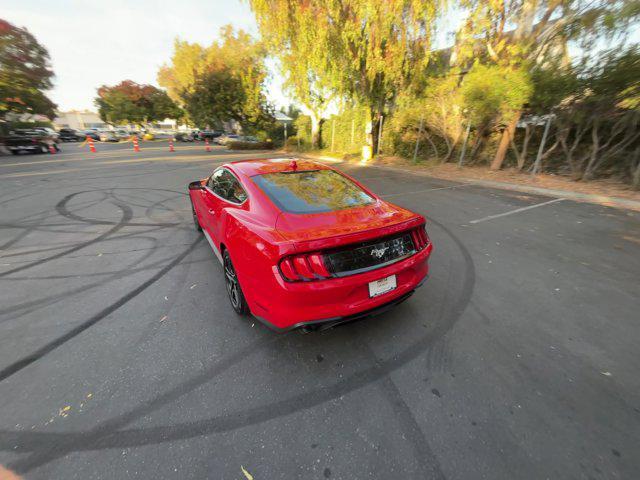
[
  {"x": 91, "y": 133},
  {"x": 225, "y": 139},
  {"x": 122, "y": 134},
  {"x": 69, "y": 135},
  {"x": 162, "y": 134},
  {"x": 210, "y": 135},
  {"x": 30, "y": 141},
  {"x": 47, "y": 131},
  {"x": 108, "y": 136},
  {"x": 183, "y": 137}
]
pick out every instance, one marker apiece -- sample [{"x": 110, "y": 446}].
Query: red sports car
[{"x": 306, "y": 246}]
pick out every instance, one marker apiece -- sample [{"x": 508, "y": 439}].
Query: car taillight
[
  {"x": 420, "y": 238},
  {"x": 304, "y": 267}
]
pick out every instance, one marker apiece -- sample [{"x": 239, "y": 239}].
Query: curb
[{"x": 606, "y": 200}]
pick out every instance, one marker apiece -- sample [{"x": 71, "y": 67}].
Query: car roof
[{"x": 250, "y": 168}]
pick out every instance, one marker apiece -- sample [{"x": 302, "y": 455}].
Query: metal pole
[
  {"x": 285, "y": 132},
  {"x": 379, "y": 134},
  {"x": 536, "y": 165},
  {"x": 464, "y": 143},
  {"x": 333, "y": 133},
  {"x": 415, "y": 152}
]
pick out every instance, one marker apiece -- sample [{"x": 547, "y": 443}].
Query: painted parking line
[
  {"x": 450, "y": 187},
  {"x": 517, "y": 210},
  {"x": 215, "y": 159}
]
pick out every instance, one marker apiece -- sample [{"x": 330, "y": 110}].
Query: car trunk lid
[{"x": 336, "y": 228}]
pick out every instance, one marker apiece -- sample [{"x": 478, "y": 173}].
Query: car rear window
[{"x": 312, "y": 191}]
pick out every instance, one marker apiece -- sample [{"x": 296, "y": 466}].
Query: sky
[
  {"x": 97, "y": 43},
  {"x": 102, "y": 43}
]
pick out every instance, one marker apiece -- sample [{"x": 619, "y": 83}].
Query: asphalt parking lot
[{"x": 121, "y": 357}]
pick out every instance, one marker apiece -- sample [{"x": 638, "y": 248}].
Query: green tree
[
  {"x": 533, "y": 35},
  {"x": 221, "y": 82},
  {"x": 179, "y": 77},
  {"x": 134, "y": 103},
  {"x": 25, "y": 73},
  {"x": 219, "y": 96},
  {"x": 365, "y": 50}
]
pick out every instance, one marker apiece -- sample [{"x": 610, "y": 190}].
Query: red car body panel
[{"x": 258, "y": 234}]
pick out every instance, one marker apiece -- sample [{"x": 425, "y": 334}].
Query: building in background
[{"x": 79, "y": 120}]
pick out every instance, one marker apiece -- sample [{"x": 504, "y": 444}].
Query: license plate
[{"x": 384, "y": 285}]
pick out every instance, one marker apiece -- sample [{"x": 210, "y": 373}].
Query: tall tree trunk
[
  {"x": 375, "y": 130},
  {"x": 593, "y": 157},
  {"x": 507, "y": 135},
  {"x": 316, "y": 140},
  {"x": 635, "y": 180}
]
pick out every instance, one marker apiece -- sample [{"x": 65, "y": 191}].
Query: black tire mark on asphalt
[
  {"x": 26, "y": 361},
  {"x": 46, "y": 447},
  {"x": 127, "y": 215},
  {"x": 18, "y": 237},
  {"x": 62, "y": 209},
  {"x": 426, "y": 459},
  {"x": 66, "y": 245},
  {"x": 55, "y": 298}
]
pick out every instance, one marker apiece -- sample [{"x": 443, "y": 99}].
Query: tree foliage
[
  {"x": 25, "y": 73},
  {"x": 221, "y": 82},
  {"x": 363, "y": 50},
  {"x": 514, "y": 67},
  {"x": 134, "y": 103}
]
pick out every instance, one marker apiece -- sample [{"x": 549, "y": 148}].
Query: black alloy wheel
[
  {"x": 196, "y": 222},
  {"x": 234, "y": 291}
]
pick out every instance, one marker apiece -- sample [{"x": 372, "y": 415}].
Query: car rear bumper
[
  {"x": 25, "y": 147},
  {"x": 291, "y": 305}
]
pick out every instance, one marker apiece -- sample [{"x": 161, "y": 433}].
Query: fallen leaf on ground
[
  {"x": 163, "y": 318},
  {"x": 246, "y": 474}
]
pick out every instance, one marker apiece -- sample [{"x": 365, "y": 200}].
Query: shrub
[{"x": 268, "y": 145}]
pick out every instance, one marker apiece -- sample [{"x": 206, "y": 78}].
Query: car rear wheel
[
  {"x": 236, "y": 297},
  {"x": 196, "y": 222}
]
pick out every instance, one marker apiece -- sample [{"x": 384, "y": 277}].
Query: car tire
[
  {"x": 236, "y": 297},
  {"x": 196, "y": 222},
  {"x": 15, "y": 152},
  {"x": 43, "y": 149}
]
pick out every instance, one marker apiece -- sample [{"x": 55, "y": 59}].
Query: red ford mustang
[{"x": 306, "y": 246}]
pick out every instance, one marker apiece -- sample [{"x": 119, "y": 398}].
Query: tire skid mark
[
  {"x": 127, "y": 215},
  {"x": 42, "y": 351},
  {"x": 55, "y": 298},
  {"x": 46, "y": 447},
  {"x": 62, "y": 209}
]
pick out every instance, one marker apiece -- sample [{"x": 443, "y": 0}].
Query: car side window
[{"x": 224, "y": 184}]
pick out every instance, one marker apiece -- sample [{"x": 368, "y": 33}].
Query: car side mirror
[{"x": 196, "y": 185}]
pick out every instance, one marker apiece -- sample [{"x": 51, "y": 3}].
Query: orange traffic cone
[
  {"x": 171, "y": 149},
  {"x": 136, "y": 147},
  {"x": 52, "y": 149},
  {"x": 92, "y": 147},
  {"x": 206, "y": 141}
]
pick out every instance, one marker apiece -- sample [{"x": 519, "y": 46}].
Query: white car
[{"x": 108, "y": 136}]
